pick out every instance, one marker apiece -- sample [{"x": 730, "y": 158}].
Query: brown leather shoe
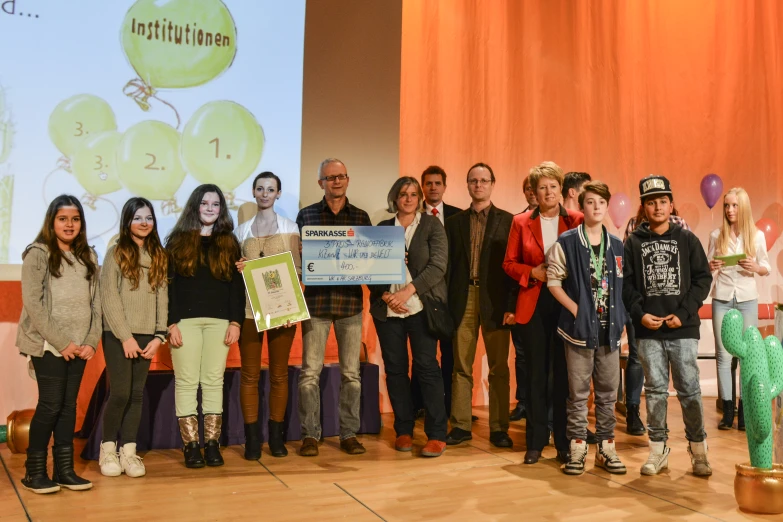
[
  {"x": 433, "y": 448},
  {"x": 403, "y": 443},
  {"x": 352, "y": 446},
  {"x": 309, "y": 447}
]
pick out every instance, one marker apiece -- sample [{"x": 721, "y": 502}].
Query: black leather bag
[{"x": 439, "y": 321}]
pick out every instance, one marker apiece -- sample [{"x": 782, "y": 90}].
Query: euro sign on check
[{"x": 353, "y": 255}]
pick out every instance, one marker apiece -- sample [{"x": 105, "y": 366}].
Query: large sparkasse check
[{"x": 353, "y": 255}]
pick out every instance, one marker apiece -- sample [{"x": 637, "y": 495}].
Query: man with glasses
[
  {"x": 481, "y": 295},
  {"x": 340, "y": 305}
]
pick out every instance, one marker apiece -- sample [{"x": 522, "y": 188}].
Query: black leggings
[
  {"x": 58, "y": 387},
  {"x": 126, "y": 389}
]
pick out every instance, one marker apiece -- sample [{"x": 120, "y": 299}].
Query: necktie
[{"x": 435, "y": 212}]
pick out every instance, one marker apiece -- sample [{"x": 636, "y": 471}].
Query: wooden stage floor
[{"x": 474, "y": 481}]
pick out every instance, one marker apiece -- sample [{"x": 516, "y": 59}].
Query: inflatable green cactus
[{"x": 761, "y": 363}]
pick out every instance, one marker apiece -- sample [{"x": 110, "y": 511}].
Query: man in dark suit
[
  {"x": 433, "y": 184},
  {"x": 480, "y": 295}
]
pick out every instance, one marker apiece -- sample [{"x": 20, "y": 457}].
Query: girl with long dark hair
[
  {"x": 266, "y": 234},
  {"x": 59, "y": 330},
  {"x": 206, "y": 310},
  {"x": 135, "y": 298}
]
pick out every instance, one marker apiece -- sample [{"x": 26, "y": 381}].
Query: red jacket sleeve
[{"x": 513, "y": 264}]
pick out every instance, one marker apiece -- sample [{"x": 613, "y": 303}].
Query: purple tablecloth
[{"x": 158, "y": 428}]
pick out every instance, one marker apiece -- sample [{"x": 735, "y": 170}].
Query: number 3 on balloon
[
  {"x": 79, "y": 128},
  {"x": 98, "y": 162},
  {"x": 151, "y": 165}
]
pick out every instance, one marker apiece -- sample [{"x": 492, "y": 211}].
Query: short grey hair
[
  {"x": 398, "y": 187},
  {"x": 326, "y": 162}
]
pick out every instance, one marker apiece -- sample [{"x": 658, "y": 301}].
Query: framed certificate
[{"x": 274, "y": 291}]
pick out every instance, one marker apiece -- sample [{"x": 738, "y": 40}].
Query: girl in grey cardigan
[
  {"x": 135, "y": 300},
  {"x": 59, "y": 330}
]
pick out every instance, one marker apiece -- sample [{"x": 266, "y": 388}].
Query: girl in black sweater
[{"x": 206, "y": 309}]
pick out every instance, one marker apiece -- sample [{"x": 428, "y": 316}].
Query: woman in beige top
[
  {"x": 266, "y": 234},
  {"x": 135, "y": 301},
  {"x": 59, "y": 329}
]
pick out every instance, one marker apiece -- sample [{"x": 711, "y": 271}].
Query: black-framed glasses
[{"x": 332, "y": 179}]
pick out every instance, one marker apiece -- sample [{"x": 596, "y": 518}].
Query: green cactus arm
[
  {"x": 775, "y": 364},
  {"x": 758, "y": 409},
  {"x": 731, "y": 334}
]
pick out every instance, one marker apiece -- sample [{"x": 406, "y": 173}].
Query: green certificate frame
[
  {"x": 732, "y": 260},
  {"x": 274, "y": 291}
]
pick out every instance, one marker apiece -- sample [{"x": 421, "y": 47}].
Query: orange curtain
[{"x": 620, "y": 89}]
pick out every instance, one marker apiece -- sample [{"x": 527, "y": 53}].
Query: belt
[{"x": 473, "y": 282}]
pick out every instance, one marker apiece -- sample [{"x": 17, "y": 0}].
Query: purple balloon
[{"x": 711, "y": 189}]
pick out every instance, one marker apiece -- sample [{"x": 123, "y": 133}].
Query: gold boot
[
  {"x": 188, "y": 429},
  {"x": 212, "y": 424}
]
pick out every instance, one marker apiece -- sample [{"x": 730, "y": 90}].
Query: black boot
[
  {"x": 633, "y": 421},
  {"x": 740, "y": 417},
  {"x": 727, "y": 422},
  {"x": 213, "y": 423},
  {"x": 277, "y": 439},
  {"x": 35, "y": 477},
  {"x": 188, "y": 429},
  {"x": 252, "y": 442},
  {"x": 64, "y": 474}
]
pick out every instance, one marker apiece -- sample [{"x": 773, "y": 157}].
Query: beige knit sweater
[{"x": 127, "y": 312}]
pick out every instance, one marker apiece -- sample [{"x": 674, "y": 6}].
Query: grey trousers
[{"x": 603, "y": 367}]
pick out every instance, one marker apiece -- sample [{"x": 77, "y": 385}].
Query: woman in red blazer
[{"x": 532, "y": 234}]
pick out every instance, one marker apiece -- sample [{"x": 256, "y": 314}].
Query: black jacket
[
  {"x": 427, "y": 260},
  {"x": 665, "y": 274},
  {"x": 498, "y": 292},
  {"x": 569, "y": 267}
]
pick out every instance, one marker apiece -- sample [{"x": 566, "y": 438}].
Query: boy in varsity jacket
[
  {"x": 666, "y": 279},
  {"x": 585, "y": 275}
]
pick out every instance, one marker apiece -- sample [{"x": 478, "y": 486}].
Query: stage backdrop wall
[{"x": 618, "y": 89}]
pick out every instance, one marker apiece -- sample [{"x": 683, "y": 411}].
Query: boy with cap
[{"x": 666, "y": 279}]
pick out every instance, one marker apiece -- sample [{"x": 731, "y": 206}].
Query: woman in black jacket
[{"x": 400, "y": 314}]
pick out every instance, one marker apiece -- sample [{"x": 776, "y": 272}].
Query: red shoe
[
  {"x": 403, "y": 443},
  {"x": 433, "y": 448}
]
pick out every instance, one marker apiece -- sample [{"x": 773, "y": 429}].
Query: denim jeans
[
  {"x": 394, "y": 334},
  {"x": 634, "y": 373},
  {"x": 58, "y": 387},
  {"x": 681, "y": 355},
  {"x": 750, "y": 315},
  {"x": 315, "y": 332}
]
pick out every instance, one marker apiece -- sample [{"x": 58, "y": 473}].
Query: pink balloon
[
  {"x": 620, "y": 209},
  {"x": 770, "y": 229}
]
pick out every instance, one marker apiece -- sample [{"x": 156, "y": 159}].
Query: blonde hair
[
  {"x": 400, "y": 185},
  {"x": 745, "y": 226},
  {"x": 546, "y": 169}
]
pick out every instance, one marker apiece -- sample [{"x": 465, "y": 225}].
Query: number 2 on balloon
[{"x": 151, "y": 165}]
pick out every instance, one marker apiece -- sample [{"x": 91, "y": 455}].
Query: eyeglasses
[
  {"x": 332, "y": 179},
  {"x": 479, "y": 181}
]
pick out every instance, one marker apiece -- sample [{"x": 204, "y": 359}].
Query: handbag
[{"x": 439, "y": 321}]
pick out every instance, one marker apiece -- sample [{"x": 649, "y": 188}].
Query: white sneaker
[
  {"x": 109, "y": 460},
  {"x": 658, "y": 458},
  {"x": 131, "y": 463},
  {"x": 606, "y": 457},
  {"x": 576, "y": 462},
  {"x": 698, "y": 453}
]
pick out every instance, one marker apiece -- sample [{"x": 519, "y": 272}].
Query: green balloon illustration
[
  {"x": 179, "y": 43},
  {"x": 94, "y": 163},
  {"x": 78, "y": 118},
  {"x": 222, "y": 144},
  {"x": 148, "y": 163}
]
